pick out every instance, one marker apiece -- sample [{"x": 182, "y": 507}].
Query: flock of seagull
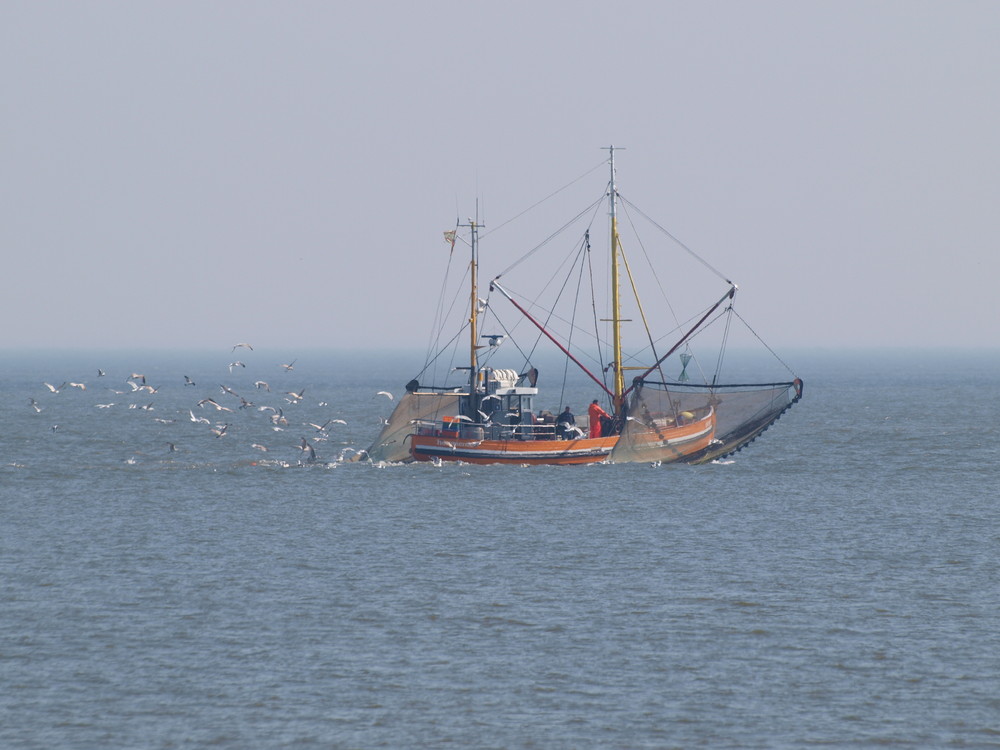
[{"x": 224, "y": 413}]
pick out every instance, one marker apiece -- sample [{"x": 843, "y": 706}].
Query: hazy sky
[{"x": 202, "y": 173}]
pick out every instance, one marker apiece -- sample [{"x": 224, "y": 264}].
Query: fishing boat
[{"x": 487, "y": 407}]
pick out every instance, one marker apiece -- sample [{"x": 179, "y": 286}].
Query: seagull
[
  {"x": 305, "y": 447},
  {"x": 385, "y": 393},
  {"x": 103, "y": 406},
  {"x": 52, "y": 388},
  {"x": 235, "y": 364},
  {"x": 259, "y": 447},
  {"x": 171, "y": 447},
  {"x": 289, "y": 365},
  {"x": 296, "y": 397},
  {"x": 100, "y": 372},
  {"x": 213, "y": 403},
  {"x": 242, "y": 346},
  {"x": 137, "y": 376},
  {"x": 227, "y": 389},
  {"x": 261, "y": 384},
  {"x": 81, "y": 386},
  {"x": 188, "y": 381},
  {"x": 219, "y": 431},
  {"x": 34, "y": 405},
  {"x": 200, "y": 420}
]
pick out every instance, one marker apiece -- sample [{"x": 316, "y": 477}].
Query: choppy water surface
[{"x": 835, "y": 584}]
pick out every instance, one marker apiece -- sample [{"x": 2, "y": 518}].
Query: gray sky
[{"x": 196, "y": 174}]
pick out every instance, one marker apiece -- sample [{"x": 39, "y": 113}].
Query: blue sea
[{"x": 836, "y": 584}]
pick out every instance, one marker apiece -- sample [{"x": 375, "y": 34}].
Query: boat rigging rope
[
  {"x": 652, "y": 269},
  {"x": 593, "y": 305},
  {"x": 548, "y": 239},
  {"x": 638, "y": 302},
  {"x": 725, "y": 340},
  {"x": 547, "y": 197},
  {"x": 576, "y": 302},
  {"x": 434, "y": 337},
  {"x": 764, "y": 343},
  {"x": 687, "y": 249}
]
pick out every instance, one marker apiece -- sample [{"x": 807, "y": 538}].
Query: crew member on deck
[
  {"x": 564, "y": 422},
  {"x": 596, "y": 412}
]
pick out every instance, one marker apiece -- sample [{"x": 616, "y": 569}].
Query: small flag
[{"x": 449, "y": 237}]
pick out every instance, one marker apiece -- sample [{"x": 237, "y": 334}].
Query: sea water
[{"x": 834, "y": 584}]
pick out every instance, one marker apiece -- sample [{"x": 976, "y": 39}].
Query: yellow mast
[
  {"x": 616, "y": 324},
  {"x": 474, "y": 309}
]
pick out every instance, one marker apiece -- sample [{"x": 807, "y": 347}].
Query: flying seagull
[
  {"x": 242, "y": 346},
  {"x": 307, "y": 448}
]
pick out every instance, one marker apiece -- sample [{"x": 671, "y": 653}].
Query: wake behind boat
[{"x": 492, "y": 413}]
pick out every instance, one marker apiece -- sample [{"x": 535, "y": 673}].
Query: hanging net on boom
[{"x": 736, "y": 414}]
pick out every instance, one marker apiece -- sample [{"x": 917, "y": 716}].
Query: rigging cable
[
  {"x": 722, "y": 347},
  {"x": 764, "y": 343},
  {"x": 572, "y": 328},
  {"x": 433, "y": 339},
  {"x": 687, "y": 249},
  {"x": 547, "y": 197},
  {"x": 548, "y": 239},
  {"x": 638, "y": 302},
  {"x": 593, "y": 306}
]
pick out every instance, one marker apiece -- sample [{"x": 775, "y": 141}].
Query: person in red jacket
[{"x": 596, "y": 412}]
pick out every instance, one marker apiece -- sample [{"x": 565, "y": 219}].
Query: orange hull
[
  {"x": 668, "y": 443},
  {"x": 532, "y": 452}
]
